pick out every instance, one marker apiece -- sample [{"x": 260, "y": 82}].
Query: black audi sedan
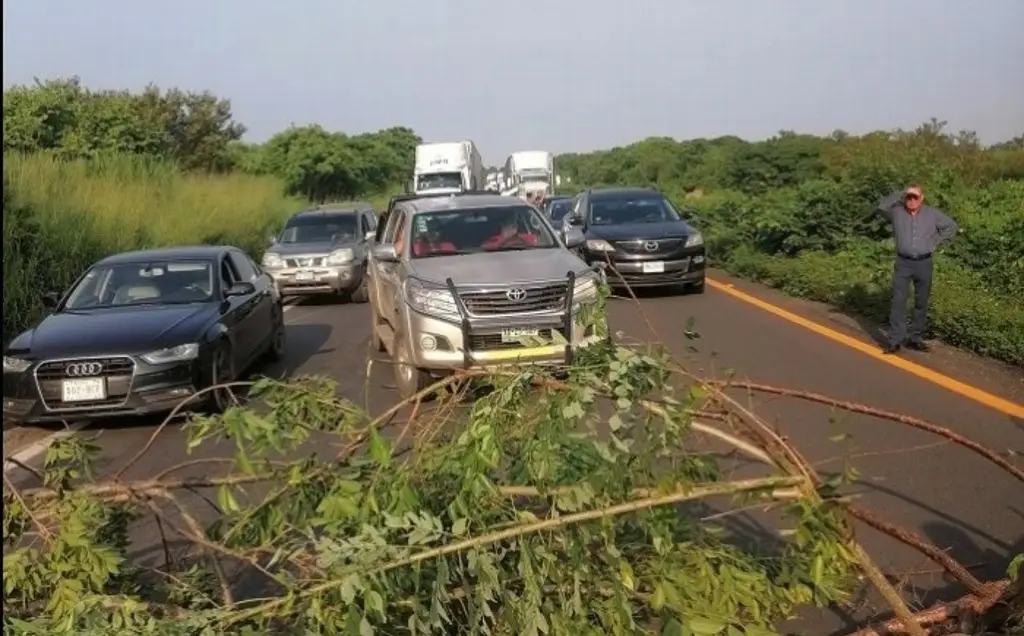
[
  {"x": 139, "y": 332},
  {"x": 638, "y": 232}
]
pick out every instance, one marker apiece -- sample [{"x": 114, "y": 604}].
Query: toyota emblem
[
  {"x": 651, "y": 246},
  {"x": 82, "y": 369},
  {"x": 516, "y": 294}
]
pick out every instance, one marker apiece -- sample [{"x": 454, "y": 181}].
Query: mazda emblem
[
  {"x": 82, "y": 369},
  {"x": 651, "y": 246},
  {"x": 516, "y": 294}
]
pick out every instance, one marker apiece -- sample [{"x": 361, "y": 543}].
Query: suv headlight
[
  {"x": 585, "y": 289},
  {"x": 340, "y": 257},
  {"x": 16, "y": 365},
  {"x": 600, "y": 245},
  {"x": 694, "y": 240},
  {"x": 181, "y": 353},
  {"x": 272, "y": 261},
  {"x": 430, "y": 300}
]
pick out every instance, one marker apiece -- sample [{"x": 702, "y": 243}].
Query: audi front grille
[
  {"x": 515, "y": 300},
  {"x": 118, "y": 371}
]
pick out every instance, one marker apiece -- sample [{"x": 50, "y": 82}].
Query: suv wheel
[
  {"x": 361, "y": 294},
  {"x": 409, "y": 379}
]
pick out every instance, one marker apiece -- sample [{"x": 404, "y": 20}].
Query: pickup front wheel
[{"x": 409, "y": 379}]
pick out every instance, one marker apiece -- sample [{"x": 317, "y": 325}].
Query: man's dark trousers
[{"x": 907, "y": 270}]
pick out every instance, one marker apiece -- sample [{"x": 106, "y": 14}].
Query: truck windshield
[
  {"x": 479, "y": 230},
  {"x": 439, "y": 180}
]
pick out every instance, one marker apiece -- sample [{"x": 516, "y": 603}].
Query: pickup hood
[
  {"x": 115, "y": 330},
  {"x": 629, "y": 231},
  {"x": 499, "y": 268},
  {"x": 291, "y": 249}
]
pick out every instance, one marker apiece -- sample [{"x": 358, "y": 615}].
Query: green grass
[{"x": 59, "y": 217}]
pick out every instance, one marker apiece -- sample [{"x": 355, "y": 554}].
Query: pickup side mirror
[
  {"x": 385, "y": 253},
  {"x": 240, "y": 289},
  {"x": 574, "y": 237},
  {"x": 51, "y": 299}
]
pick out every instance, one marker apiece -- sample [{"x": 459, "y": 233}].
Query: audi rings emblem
[
  {"x": 517, "y": 294},
  {"x": 82, "y": 369},
  {"x": 651, "y": 246}
]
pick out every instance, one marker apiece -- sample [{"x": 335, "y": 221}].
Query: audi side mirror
[{"x": 51, "y": 300}]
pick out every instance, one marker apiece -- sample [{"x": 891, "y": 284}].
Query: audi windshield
[
  {"x": 627, "y": 210},
  {"x": 145, "y": 283}
]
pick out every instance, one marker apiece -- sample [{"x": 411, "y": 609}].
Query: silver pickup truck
[{"x": 475, "y": 280}]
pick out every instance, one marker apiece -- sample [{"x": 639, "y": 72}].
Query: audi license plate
[
  {"x": 654, "y": 267},
  {"x": 304, "y": 276},
  {"x": 84, "y": 390},
  {"x": 512, "y": 335}
]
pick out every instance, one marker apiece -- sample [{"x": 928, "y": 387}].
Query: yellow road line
[{"x": 956, "y": 386}]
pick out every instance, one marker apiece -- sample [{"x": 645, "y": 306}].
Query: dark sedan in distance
[
  {"x": 646, "y": 240},
  {"x": 139, "y": 332},
  {"x": 556, "y": 207}
]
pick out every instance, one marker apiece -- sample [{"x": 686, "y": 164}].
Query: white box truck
[
  {"x": 530, "y": 171},
  {"x": 448, "y": 167}
]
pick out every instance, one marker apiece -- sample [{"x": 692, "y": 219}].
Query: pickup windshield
[
  {"x": 479, "y": 230},
  {"x": 623, "y": 210},
  {"x": 438, "y": 180}
]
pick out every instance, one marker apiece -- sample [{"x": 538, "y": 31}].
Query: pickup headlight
[
  {"x": 585, "y": 289},
  {"x": 16, "y": 365},
  {"x": 694, "y": 240},
  {"x": 272, "y": 261},
  {"x": 600, "y": 245},
  {"x": 430, "y": 300},
  {"x": 181, "y": 353},
  {"x": 340, "y": 257}
]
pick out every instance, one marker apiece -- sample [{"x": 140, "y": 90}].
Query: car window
[
  {"x": 392, "y": 226},
  {"x": 320, "y": 228},
  {"x": 559, "y": 209},
  {"x": 241, "y": 264},
  {"x": 400, "y": 231},
  {"x": 157, "y": 282},
  {"x": 364, "y": 224},
  {"x": 478, "y": 230},
  {"x": 640, "y": 209}
]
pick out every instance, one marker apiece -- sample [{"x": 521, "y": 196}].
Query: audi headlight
[
  {"x": 340, "y": 257},
  {"x": 600, "y": 245},
  {"x": 272, "y": 261},
  {"x": 16, "y": 365},
  {"x": 181, "y": 353},
  {"x": 430, "y": 300},
  {"x": 694, "y": 240}
]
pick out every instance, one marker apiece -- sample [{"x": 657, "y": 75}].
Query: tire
[
  {"x": 378, "y": 342},
  {"x": 221, "y": 371},
  {"x": 361, "y": 294},
  {"x": 409, "y": 380},
  {"x": 275, "y": 352}
]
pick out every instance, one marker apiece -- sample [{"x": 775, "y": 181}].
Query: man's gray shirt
[{"x": 918, "y": 234}]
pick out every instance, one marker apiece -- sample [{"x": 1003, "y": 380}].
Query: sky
[{"x": 558, "y": 75}]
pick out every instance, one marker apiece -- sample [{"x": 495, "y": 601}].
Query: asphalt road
[{"x": 957, "y": 500}]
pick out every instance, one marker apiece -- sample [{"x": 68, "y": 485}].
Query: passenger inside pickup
[
  {"x": 510, "y": 234},
  {"x": 429, "y": 241}
]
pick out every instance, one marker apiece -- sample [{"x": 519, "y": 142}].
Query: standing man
[{"x": 919, "y": 230}]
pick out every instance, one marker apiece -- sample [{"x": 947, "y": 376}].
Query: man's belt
[{"x": 921, "y": 257}]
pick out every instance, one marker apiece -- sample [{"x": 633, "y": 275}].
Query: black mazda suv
[{"x": 643, "y": 238}]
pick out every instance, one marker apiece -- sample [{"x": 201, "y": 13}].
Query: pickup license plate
[
  {"x": 85, "y": 390},
  {"x": 304, "y": 276},
  {"x": 514, "y": 334},
  {"x": 653, "y": 267}
]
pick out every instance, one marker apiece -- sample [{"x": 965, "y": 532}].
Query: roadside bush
[{"x": 60, "y": 216}]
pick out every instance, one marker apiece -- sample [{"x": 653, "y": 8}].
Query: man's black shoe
[
  {"x": 918, "y": 345},
  {"x": 890, "y": 348}
]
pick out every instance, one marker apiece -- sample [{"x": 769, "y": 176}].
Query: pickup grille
[
  {"x": 537, "y": 298},
  {"x": 663, "y": 246},
  {"x": 304, "y": 261},
  {"x": 492, "y": 341}
]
